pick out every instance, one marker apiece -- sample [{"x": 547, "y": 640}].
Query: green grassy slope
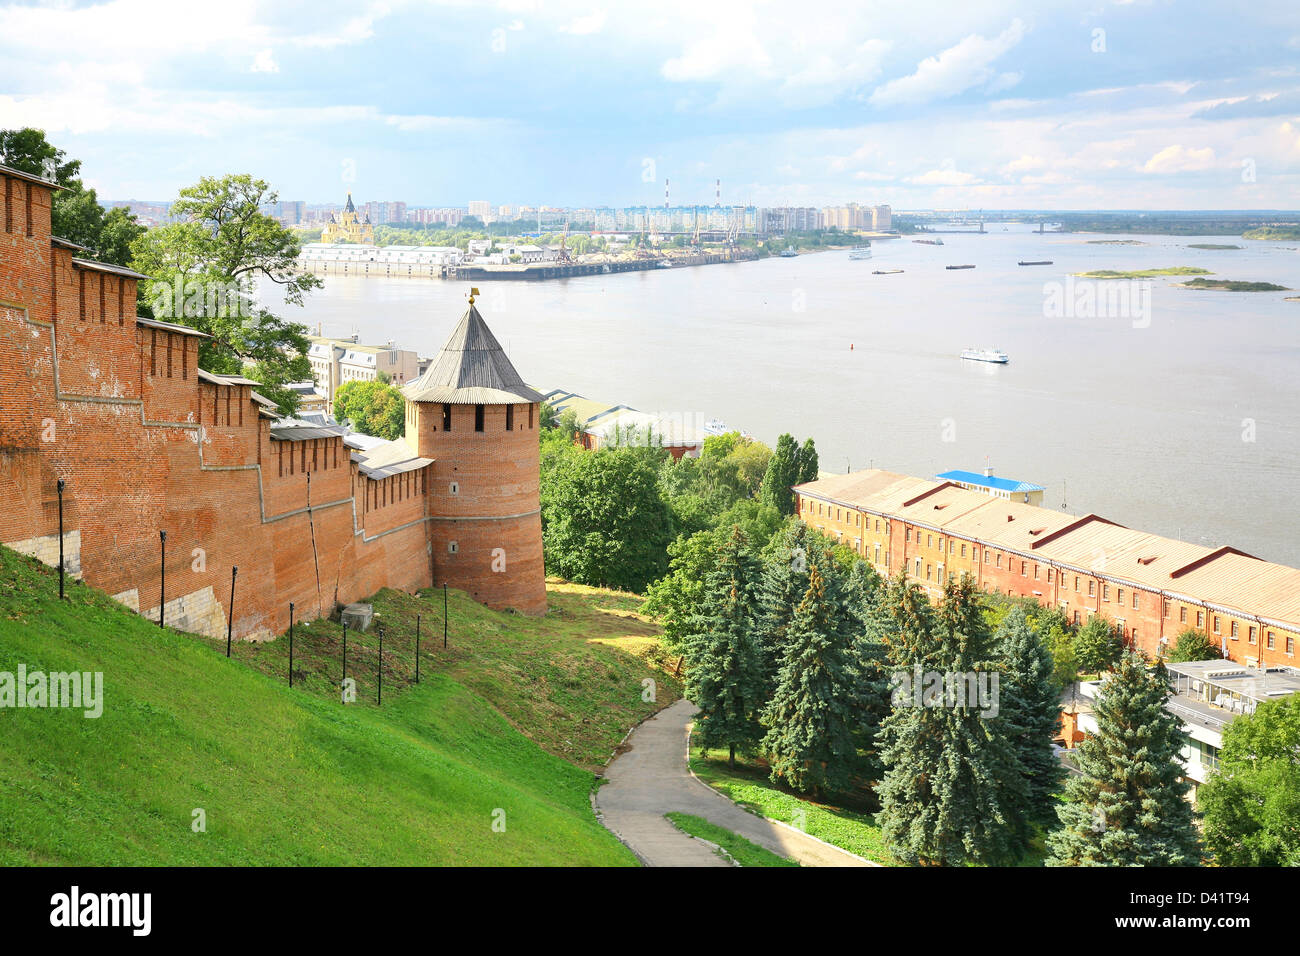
[{"x": 284, "y": 776}]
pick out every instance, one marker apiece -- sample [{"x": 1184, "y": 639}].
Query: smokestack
[
  {"x": 717, "y": 193},
  {"x": 665, "y": 195}
]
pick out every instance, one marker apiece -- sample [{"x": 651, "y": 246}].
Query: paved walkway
[{"x": 652, "y": 778}]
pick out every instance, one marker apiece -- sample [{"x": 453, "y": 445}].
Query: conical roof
[
  {"x": 471, "y": 369},
  {"x": 350, "y": 207}
]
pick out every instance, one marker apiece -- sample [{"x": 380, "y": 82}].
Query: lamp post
[
  {"x": 290, "y": 643},
  {"x": 61, "y": 486},
  {"x": 162, "y": 585},
  {"x": 230, "y": 621}
]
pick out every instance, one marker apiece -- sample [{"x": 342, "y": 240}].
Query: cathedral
[{"x": 347, "y": 228}]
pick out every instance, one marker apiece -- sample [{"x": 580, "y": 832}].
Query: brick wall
[{"x": 117, "y": 409}]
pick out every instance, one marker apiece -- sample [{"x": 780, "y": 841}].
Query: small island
[
  {"x": 1115, "y": 242},
  {"x": 1272, "y": 232},
  {"x": 1224, "y": 285},
  {"x": 1145, "y": 273},
  {"x": 1211, "y": 245}
]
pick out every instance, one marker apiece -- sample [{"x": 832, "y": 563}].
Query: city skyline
[{"x": 1008, "y": 105}]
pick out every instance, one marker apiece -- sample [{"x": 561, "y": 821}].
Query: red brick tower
[{"x": 474, "y": 416}]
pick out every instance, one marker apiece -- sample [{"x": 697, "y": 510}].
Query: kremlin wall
[{"x": 116, "y": 406}]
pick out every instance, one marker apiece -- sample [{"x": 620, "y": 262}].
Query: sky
[{"x": 1148, "y": 104}]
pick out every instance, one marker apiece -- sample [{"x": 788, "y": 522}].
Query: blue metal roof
[{"x": 987, "y": 481}]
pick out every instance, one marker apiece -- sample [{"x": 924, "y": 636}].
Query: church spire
[{"x": 350, "y": 207}]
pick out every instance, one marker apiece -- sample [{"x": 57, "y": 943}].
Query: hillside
[{"x": 294, "y": 777}]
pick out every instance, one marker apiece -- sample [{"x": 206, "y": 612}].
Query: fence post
[{"x": 230, "y": 621}]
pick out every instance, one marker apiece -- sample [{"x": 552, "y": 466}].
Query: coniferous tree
[
  {"x": 782, "y": 474},
  {"x": 1129, "y": 805},
  {"x": 952, "y": 791},
  {"x": 724, "y": 676},
  {"x": 815, "y": 712},
  {"x": 786, "y": 561},
  {"x": 1030, "y": 705}
]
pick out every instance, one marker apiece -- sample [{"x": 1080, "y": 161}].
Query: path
[{"x": 653, "y": 778}]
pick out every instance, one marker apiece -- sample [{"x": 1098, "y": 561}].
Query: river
[{"x": 1180, "y": 418}]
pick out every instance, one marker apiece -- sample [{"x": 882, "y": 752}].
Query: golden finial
[{"x": 473, "y": 291}]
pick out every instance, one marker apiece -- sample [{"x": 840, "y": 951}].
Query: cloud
[
  {"x": 1179, "y": 159},
  {"x": 1267, "y": 104},
  {"x": 264, "y": 62},
  {"x": 593, "y": 22},
  {"x": 953, "y": 71},
  {"x": 943, "y": 177},
  {"x": 1023, "y": 164}
]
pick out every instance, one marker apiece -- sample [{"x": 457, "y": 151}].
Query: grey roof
[
  {"x": 107, "y": 267},
  {"x": 391, "y": 458},
  {"x": 20, "y": 174},
  {"x": 169, "y": 327},
  {"x": 471, "y": 369},
  {"x": 293, "y": 429},
  {"x": 67, "y": 244}
]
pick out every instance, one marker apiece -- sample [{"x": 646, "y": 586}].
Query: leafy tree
[
  {"x": 75, "y": 213},
  {"x": 1030, "y": 704},
  {"x": 676, "y": 598},
  {"x": 221, "y": 248},
  {"x": 953, "y": 791},
  {"x": 1129, "y": 806},
  {"x": 781, "y": 475},
  {"x": 1252, "y": 803},
  {"x": 603, "y": 522},
  {"x": 373, "y": 408},
  {"x": 815, "y": 712},
  {"x": 723, "y": 676},
  {"x": 547, "y": 417},
  {"x": 808, "y": 463},
  {"x": 1194, "y": 645},
  {"x": 1096, "y": 646}
]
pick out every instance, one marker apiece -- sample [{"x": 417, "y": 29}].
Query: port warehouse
[
  {"x": 1149, "y": 587},
  {"x": 115, "y": 406}
]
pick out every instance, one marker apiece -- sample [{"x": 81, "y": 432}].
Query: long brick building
[
  {"x": 116, "y": 406},
  {"x": 1150, "y": 587}
]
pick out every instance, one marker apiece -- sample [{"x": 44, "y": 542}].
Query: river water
[{"x": 1176, "y": 411}]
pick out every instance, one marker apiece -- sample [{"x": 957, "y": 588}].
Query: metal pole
[
  {"x": 230, "y": 621},
  {"x": 162, "y": 587},
  {"x": 417, "y": 648},
  {"x": 290, "y": 643},
  {"x": 345, "y": 650},
  {"x": 444, "y": 614},
  {"x": 60, "y": 539},
  {"x": 380, "y": 698}
]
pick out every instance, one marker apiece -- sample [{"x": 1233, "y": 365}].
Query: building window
[
  {"x": 530, "y": 416},
  {"x": 963, "y": 549},
  {"x": 452, "y": 547},
  {"x": 929, "y": 540},
  {"x": 1076, "y": 584},
  {"x": 1250, "y": 635},
  {"x": 1076, "y": 618},
  {"x": 1035, "y": 572},
  {"x": 1105, "y": 592},
  {"x": 446, "y": 417},
  {"x": 1271, "y": 641},
  {"x": 1024, "y": 569},
  {"x": 1216, "y": 624},
  {"x": 1233, "y": 630},
  {"x": 478, "y": 418},
  {"x": 510, "y": 418},
  {"x": 998, "y": 560},
  {"x": 1200, "y": 619},
  {"x": 1135, "y": 600},
  {"x": 1290, "y": 646}
]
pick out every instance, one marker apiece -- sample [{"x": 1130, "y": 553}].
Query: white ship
[
  {"x": 996, "y": 356},
  {"x": 860, "y": 252}
]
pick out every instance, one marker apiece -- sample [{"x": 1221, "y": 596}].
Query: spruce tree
[
  {"x": 814, "y": 715},
  {"x": 786, "y": 562},
  {"x": 782, "y": 474},
  {"x": 1129, "y": 805},
  {"x": 724, "y": 675},
  {"x": 952, "y": 792},
  {"x": 1031, "y": 708}
]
